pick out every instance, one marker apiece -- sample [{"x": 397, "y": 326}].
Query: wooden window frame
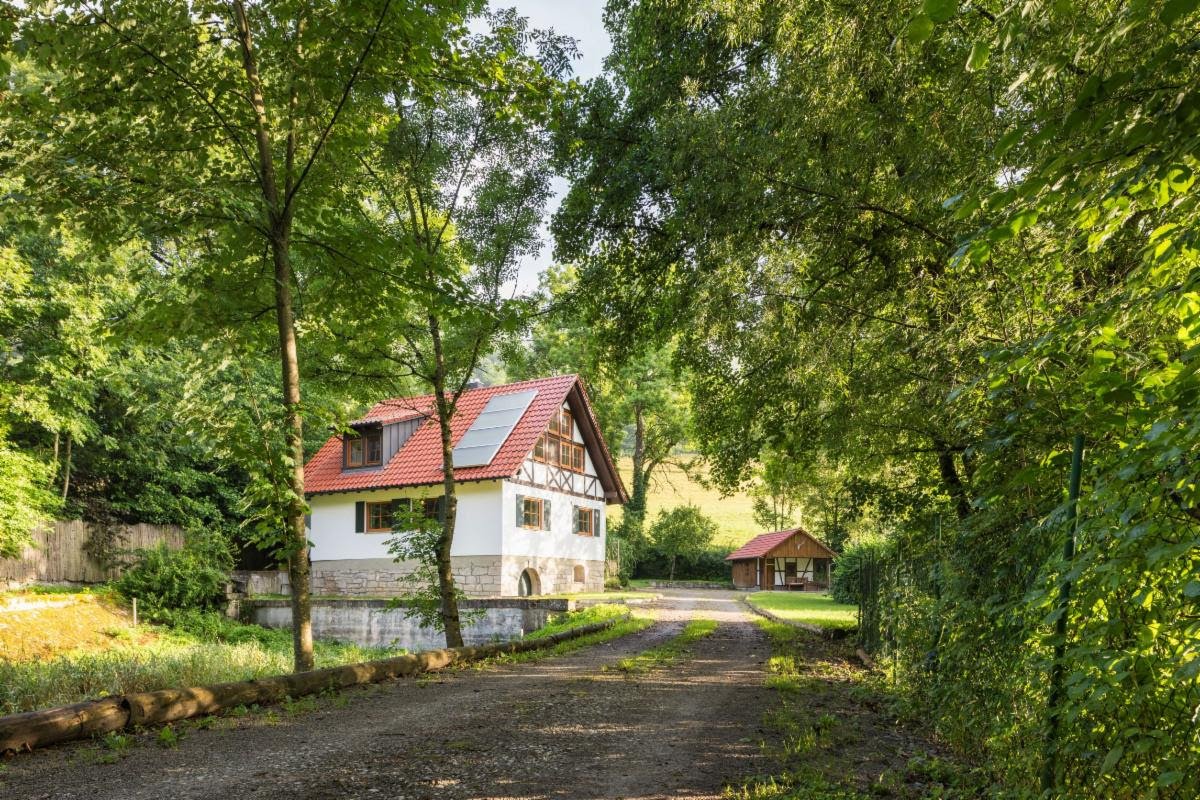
[
  {"x": 571, "y": 456},
  {"x": 541, "y": 513},
  {"x": 371, "y": 435},
  {"x": 557, "y": 446},
  {"x": 368, "y": 519},
  {"x": 581, "y": 513}
]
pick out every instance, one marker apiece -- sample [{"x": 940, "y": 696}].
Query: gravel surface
[{"x": 555, "y": 728}]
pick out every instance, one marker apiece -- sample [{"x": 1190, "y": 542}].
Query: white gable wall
[{"x": 477, "y": 531}]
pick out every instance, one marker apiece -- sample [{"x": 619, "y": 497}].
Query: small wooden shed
[{"x": 791, "y": 559}]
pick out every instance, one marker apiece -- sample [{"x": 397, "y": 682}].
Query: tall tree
[
  {"x": 229, "y": 131},
  {"x": 460, "y": 185},
  {"x": 932, "y": 243},
  {"x": 641, "y": 400}
]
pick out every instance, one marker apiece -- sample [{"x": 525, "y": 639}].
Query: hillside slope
[{"x": 672, "y": 487}]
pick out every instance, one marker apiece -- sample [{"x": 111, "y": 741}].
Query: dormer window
[{"x": 365, "y": 449}]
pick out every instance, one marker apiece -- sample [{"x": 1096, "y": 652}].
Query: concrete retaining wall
[{"x": 370, "y": 622}]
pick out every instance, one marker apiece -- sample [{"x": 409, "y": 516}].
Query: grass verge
[
  {"x": 668, "y": 653},
  {"x": 196, "y": 649},
  {"x": 813, "y": 608},
  {"x": 627, "y": 623},
  {"x": 835, "y": 736}
]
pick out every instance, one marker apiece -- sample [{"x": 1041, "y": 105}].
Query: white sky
[{"x": 582, "y": 20}]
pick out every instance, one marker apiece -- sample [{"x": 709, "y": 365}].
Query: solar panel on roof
[{"x": 491, "y": 429}]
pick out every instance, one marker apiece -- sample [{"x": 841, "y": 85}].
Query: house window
[
  {"x": 562, "y": 424},
  {"x": 365, "y": 449},
  {"x": 571, "y": 456},
  {"x": 578, "y": 575},
  {"x": 585, "y": 521},
  {"x": 533, "y": 513},
  {"x": 556, "y": 447},
  {"x": 379, "y": 517}
]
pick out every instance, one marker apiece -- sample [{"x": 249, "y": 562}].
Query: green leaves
[
  {"x": 919, "y": 29},
  {"x": 978, "y": 57},
  {"x": 1175, "y": 10},
  {"x": 940, "y": 11}
]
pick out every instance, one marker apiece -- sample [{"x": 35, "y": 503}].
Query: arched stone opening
[{"x": 529, "y": 584}]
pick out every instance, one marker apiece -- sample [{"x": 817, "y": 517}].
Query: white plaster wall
[
  {"x": 560, "y": 541},
  {"x": 477, "y": 531}
]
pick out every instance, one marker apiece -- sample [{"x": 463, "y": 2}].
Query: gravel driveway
[{"x": 556, "y": 728}]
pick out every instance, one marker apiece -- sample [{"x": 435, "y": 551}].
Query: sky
[{"x": 582, "y": 20}]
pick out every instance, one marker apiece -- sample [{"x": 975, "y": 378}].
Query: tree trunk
[
  {"x": 671, "y": 571},
  {"x": 450, "y": 619},
  {"x": 951, "y": 480},
  {"x": 67, "y": 469},
  {"x": 279, "y": 224},
  {"x": 297, "y": 536},
  {"x": 637, "y": 498}
]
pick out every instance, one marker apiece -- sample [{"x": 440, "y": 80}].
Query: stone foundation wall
[
  {"x": 555, "y": 575},
  {"x": 477, "y": 576}
]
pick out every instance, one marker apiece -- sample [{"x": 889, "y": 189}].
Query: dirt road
[{"x": 557, "y": 728}]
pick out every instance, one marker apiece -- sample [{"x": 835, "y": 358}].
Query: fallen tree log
[{"x": 23, "y": 732}]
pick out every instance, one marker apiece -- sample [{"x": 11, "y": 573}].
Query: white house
[{"x": 533, "y": 475}]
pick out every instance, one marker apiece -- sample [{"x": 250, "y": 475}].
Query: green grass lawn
[
  {"x": 815, "y": 608},
  {"x": 672, "y": 487}
]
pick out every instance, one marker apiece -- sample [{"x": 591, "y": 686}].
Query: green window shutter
[
  {"x": 360, "y": 513},
  {"x": 520, "y": 510},
  {"x": 545, "y": 515},
  {"x": 441, "y": 510},
  {"x": 595, "y": 522}
]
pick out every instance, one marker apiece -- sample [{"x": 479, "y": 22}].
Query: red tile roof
[
  {"x": 419, "y": 460},
  {"x": 764, "y": 543}
]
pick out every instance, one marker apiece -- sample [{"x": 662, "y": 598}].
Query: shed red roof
[
  {"x": 764, "y": 543},
  {"x": 419, "y": 460}
]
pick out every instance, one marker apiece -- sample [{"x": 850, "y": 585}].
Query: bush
[
  {"x": 165, "y": 580},
  {"x": 846, "y": 583},
  {"x": 707, "y": 565}
]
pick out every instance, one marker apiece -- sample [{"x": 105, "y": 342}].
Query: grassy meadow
[{"x": 673, "y": 486}]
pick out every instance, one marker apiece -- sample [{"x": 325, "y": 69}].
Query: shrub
[
  {"x": 846, "y": 583},
  {"x": 683, "y": 532},
  {"x": 165, "y": 580}
]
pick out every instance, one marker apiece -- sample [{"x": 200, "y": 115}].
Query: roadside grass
[
  {"x": 814, "y": 608},
  {"x": 835, "y": 736},
  {"x": 626, "y": 624},
  {"x": 669, "y": 652},
  {"x": 196, "y": 649}
]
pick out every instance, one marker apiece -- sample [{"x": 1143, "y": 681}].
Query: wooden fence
[{"x": 60, "y": 555}]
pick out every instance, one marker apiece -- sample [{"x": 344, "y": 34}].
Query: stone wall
[
  {"x": 477, "y": 576},
  {"x": 555, "y": 575},
  {"x": 373, "y": 623}
]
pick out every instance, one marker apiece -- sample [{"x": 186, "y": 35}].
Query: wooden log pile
[{"x": 24, "y": 732}]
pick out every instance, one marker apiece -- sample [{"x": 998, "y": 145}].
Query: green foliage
[
  {"x": 25, "y": 503},
  {"x": 415, "y": 542},
  {"x": 847, "y": 581},
  {"x": 682, "y": 532},
  {"x": 929, "y": 247},
  {"x": 165, "y": 580}
]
